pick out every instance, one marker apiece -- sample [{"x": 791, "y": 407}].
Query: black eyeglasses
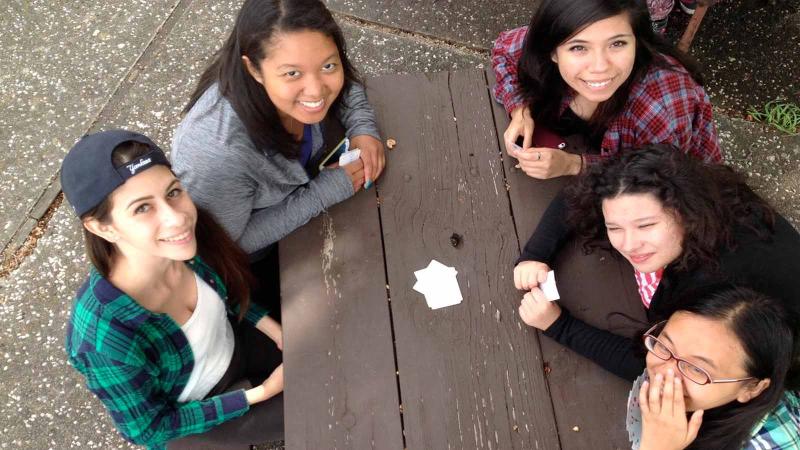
[{"x": 690, "y": 371}]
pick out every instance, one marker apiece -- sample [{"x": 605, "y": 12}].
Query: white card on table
[{"x": 438, "y": 284}]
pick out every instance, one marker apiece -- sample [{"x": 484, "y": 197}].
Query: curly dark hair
[{"x": 708, "y": 200}]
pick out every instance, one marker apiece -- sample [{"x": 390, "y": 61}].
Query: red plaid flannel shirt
[{"x": 666, "y": 106}]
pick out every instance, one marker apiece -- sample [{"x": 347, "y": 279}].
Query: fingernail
[
  {"x": 669, "y": 371},
  {"x": 368, "y": 184}
]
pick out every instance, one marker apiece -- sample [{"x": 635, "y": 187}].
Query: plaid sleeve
[
  {"x": 589, "y": 158},
  {"x": 780, "y": 429},
  {"x": 505, "y": 56},
  {"x": 672, "y": 109},
  {"x": 142, "y": 414},
  {"x": 253, "y": 314}
]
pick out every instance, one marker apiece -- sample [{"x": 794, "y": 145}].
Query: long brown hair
[
  {"x": 257, "y": 23},
  {"x": 214, "y": 246},
  {"x": 541, "y": 84}
]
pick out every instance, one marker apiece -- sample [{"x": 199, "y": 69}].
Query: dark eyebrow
[
  {"x": 138, "y": 200},
  {"x": 581, "y": 41},
  {"x": 174, "y": 182},
  {"x": 148, "y": 197},
  {"x": 287, "y": 66},
  {"x": 705, "y": 360}
]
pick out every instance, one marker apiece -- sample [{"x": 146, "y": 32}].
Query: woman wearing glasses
[
  {"x": 715, "y": 376},
  {"x": 682, "y": 224}
]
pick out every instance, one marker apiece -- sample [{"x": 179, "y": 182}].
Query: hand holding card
[
  {"x": 549, "y": 287},
  {"x": 536, "y": 311}
]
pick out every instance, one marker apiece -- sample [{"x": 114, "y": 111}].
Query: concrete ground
[{"x": 69, "y": 67}]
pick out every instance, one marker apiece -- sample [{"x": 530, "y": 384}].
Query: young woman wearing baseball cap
[{"x": 162, "y": 329}]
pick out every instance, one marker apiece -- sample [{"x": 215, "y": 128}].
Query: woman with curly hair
[{"x": 681, "y": 223}]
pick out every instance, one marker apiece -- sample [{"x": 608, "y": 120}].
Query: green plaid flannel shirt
[
  {"x": 138, "y": 363},
  {"x": 780, "y": 429}
]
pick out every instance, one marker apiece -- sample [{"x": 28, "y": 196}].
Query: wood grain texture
[
  {"x": 471, "y": 374},
  {"x": 341, "y": 388},
  {"x": 591, "y": 287}
]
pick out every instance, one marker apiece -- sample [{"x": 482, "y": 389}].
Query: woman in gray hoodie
[{"x": 252, "y": 133}]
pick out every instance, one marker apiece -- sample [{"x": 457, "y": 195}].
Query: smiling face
[
  {"x": 646, "y": 234},
  {"x": 302, "y": 75},
  {"x": 596, "y": 61},
  {"x": 151, "y": 216},
  {"x": 710, "y": 345}
]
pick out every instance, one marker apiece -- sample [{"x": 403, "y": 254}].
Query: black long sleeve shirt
[{"x": 766, "y": 265}]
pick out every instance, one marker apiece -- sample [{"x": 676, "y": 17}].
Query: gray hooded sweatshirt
[{"x": 258, "y": 195}]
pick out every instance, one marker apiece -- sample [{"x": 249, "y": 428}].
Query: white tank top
[{"x": 210, "y": 336}]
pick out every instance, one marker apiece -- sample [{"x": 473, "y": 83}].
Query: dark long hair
[
  {"x": 763, "y": 328},
  {"x": 214, "y": 245},
  {"x": 709, "y": 200},
  {"x": 541, "y": 84},
  {"x": 256, "y": 25}
]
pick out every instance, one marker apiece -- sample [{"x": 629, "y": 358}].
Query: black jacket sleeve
[
  {"x": 617, "y": 354},
  {"x": 550, "y": 235}
]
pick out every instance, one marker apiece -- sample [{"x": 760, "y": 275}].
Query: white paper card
[
  {"x": 438, "y": 284},
  {"x": 549, "y": 287},
  {"x": 349, "y": 156}
]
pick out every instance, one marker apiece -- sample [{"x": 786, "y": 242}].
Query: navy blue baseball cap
[{"x": 88, "y": 174}]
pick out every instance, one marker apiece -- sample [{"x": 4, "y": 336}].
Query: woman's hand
[
  {"x": 271, "y": 387},
  {"x": 354, "y": 170},
  {"x": 544, "y": 163},
  {"x": 372, "y": 155},
  {"x": 664, "y": 423},
  {"x": 272, "y": 329},
  {"x": 521, "y": 125},
  {"x": 536, "y": 311},
  {"x": 528, "y": 274}
]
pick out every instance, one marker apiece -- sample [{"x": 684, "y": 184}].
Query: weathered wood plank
[
  {"x": 341, "y": 388},
  {"x": 470, "y": 375},
  {"x": 591, "y": 287}
]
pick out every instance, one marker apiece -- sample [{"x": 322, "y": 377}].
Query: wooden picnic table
[{"x": 369, "y": 365}]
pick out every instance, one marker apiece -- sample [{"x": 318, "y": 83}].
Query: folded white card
[
  {"x": 349, "y": 156},
  {"x": 438, "y": 284},
  {"x": 549, "y": 287}
]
